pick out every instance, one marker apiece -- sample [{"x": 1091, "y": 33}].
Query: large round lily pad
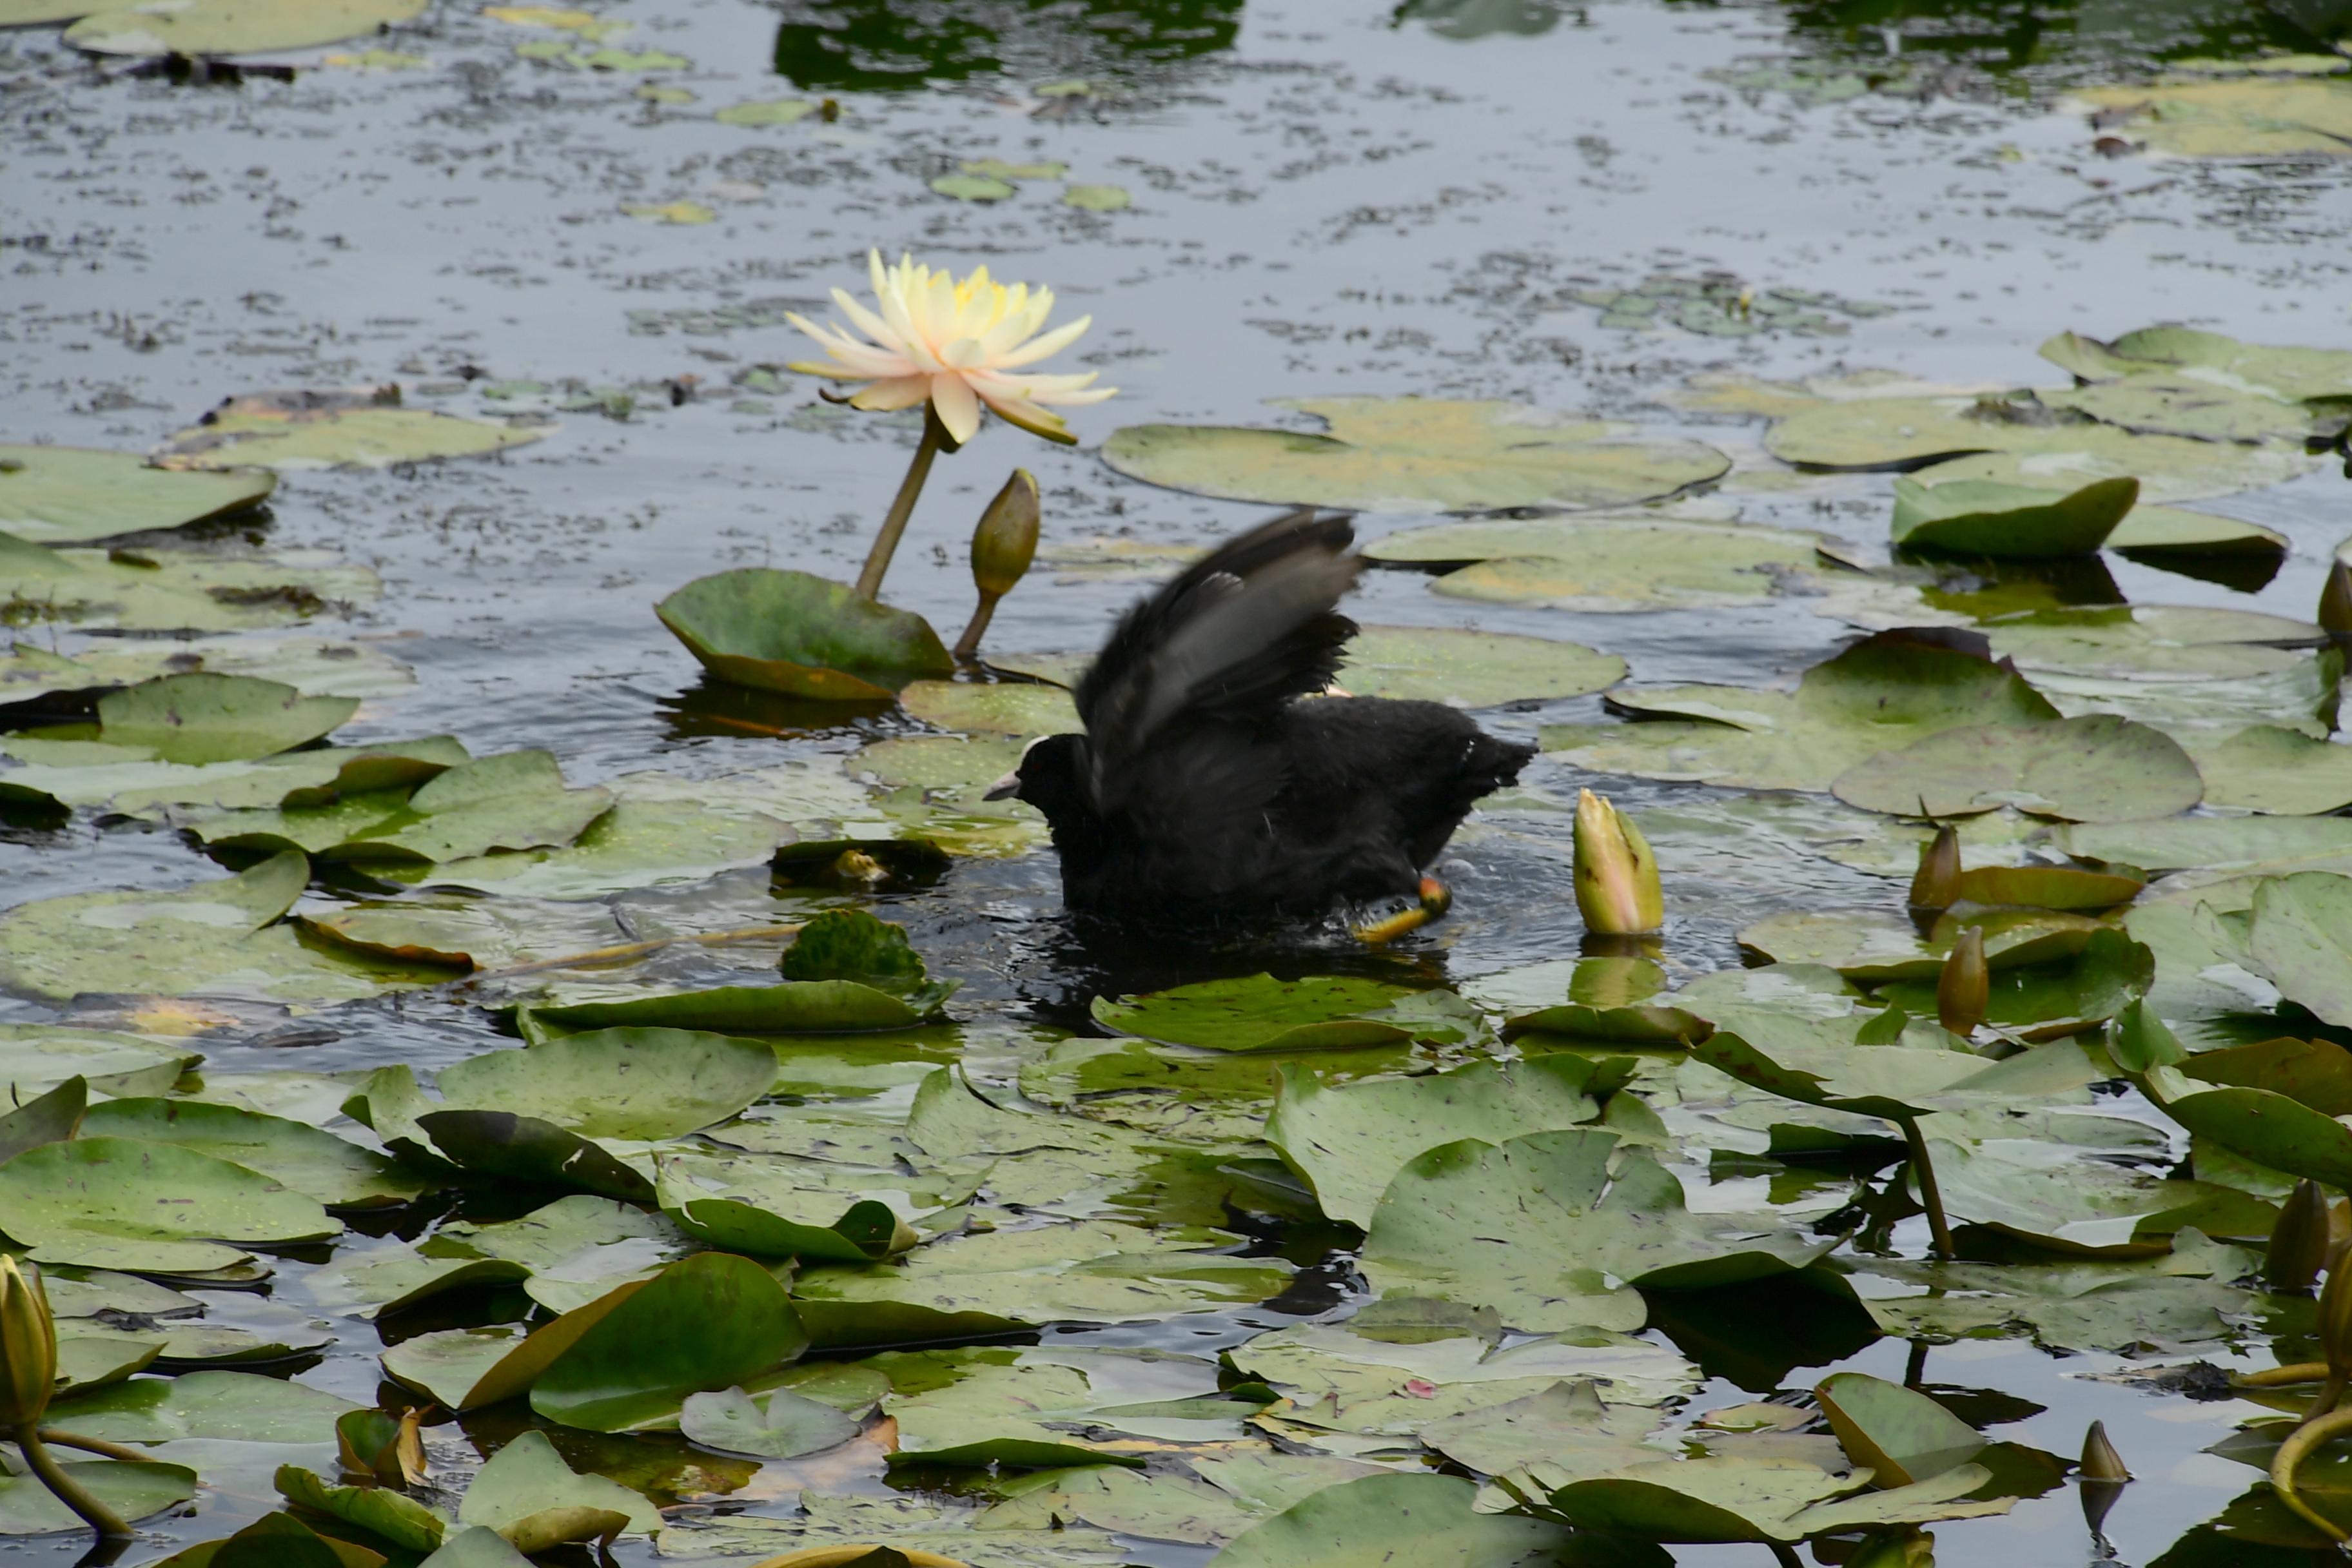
[
  {"x": 2291, "y": 371},
  {"x": 2171, "y": 403},
  {"x": 1261, "y": 1013},
  {"x": 1882, "y": 694},
  {"x": 132, "y": 1489},
  {"x": 2265, "y": 767},
  {"x": 1608, "y": 563},
  {"x": 998, "y": 708},
  {"x": 1471, "y": 669},
  {"x": 72, "y": 495},
  {"x": 2095, "y": 769},
  {"x": 175, "y": 590},
  {"x": 1420, "y": 1519},
  {"x": 306, "y": 1159},
  {"x": 196, "y": 718},
  {"x": 802, "y": 635},
  {"x": 1416, "y": 454},
  {"x": 618, "y": 1083},
  {"x": 291, "y": 430},
  {"x": 124, "y": 1203},
  {"x": 220, "y": 938}
]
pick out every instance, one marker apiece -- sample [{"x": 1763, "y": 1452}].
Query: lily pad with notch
[
  {"x": 75, "y": 495},
  {"x": 2097, "y": 768},
  {"x": 1416, "y": 454},
  {"x": 2007, "y": 521},
  {"x": 1607, "y": 563}
]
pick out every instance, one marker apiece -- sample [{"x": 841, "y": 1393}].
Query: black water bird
[{"x": 1214, "y": 786}]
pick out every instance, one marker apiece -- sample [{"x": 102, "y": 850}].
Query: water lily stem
[
  {"x": 70, "y": 1491},
  {"x": 1785, "y": 1555},
  {"x": 885, "y": 543},
  {"x": 99, "y": 1445},
  {"x": 2299, "y": 1446},
  {"x": 968, "y": 645},
  {"x": 2330, "y": 1395},
  {"x": 1930, "y": 1195}
]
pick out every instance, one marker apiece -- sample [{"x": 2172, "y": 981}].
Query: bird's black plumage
[{"x": 1208, "y": 788}]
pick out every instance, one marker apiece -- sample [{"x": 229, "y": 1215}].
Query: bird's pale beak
[{"x": 1005, "y": 788}]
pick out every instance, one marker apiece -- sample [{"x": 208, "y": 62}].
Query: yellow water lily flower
[{"x": 956, "y": 342}]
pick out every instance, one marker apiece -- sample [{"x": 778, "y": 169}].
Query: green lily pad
[
  {"x": 51, "y": 1117},
  {"x": 2009, "y": 522},
  {"x": 2094, "y": 769},
  {"x": 122, "y": 1202},
  {"x": 2291, "y": 371},
  {"x": 2267, "y": 768},
  {"x": 1896, "y": 1083},
  {"x": 618, "y": 1083},
  {"x": 1565, "y": 1426},
  {"x": 800, "y": 635},
  {"x": 380, "y": 1511},
  {"x": 465, "y": 932},
  {"x": 1261, "y": 1013},
  {"x": 1873, "y": 949},
  {"x": 130, "y": 1491},
  {"x": 851, "y": 1525},
  {"x": 90, "y": 773},
  {"x": 2298, "y": 941},
  {"x": 514, "y": 801},
  {"x": 295, "y": 430},
  {"x": 768, "y": 112},
  {"x": 197, "y": 719},
  {"x": 2166, "y": 403},
  {"x": 1347, "y": 1142},
  {"x": 1422, "y": 1519},
  {"x": 2040, "y": 1002},
  {"x": 34, "y": 1059},
  {"x": 986, "y": 1282},
  {"x": 2164, "y": 530},
  {"x": 320, "y": 666},
  {"x": 175, "y": 590},
  {"x": 302, "y": 1158},
  {"x": 795, "y": 1008},
  {"x": 794, "y": 1213},
  {"x": 1000, "y": 708},
  {"x": 1568, "y": 1229},
  {"x": 1882, "y": 694},
  {"x": 2252, "y": 117},
  {"x": 528, "y": 1476},
  {"x": 1901, "y": 1434},
  {"x": 234, "y": 1407},
  {"x": 1414, "y": 454},
  {"x": 2023, "y": 442},
  {"x": 1606, "y": 563},
  {"x": 1703, "y": 1501},
  {"x": 476, "y": 1546},
  {"x": 2047, "y": 887},
  {"x": 72, "y": 495},
  {"x": 1171, "y": 1506},
  {"x": 1471, "y": 669},
  {"x": 2315, "y": 1073},
  {"x": 531, "y": 1151},
  {"x": 2218, "y": 843},
  {"x": 973, "y": 187},
  {"x": 780, "y": 1425},
  {"x": 707, "y": 1322},
  {"x": 1050, "y": 1407},
  {"x": 218, "y": 939},
  {"x": 1098, "y": 199}
]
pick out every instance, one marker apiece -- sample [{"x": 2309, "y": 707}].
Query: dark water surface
[{"x": 1328, "y": 196}]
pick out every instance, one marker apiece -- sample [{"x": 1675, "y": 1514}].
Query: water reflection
[
  {"x": 2068, "y": 39},
  {"x": 880, "y": 46},
  {"x": 1467, "y": 19}
]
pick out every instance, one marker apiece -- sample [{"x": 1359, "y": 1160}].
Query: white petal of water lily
[
  {"x": 1052, "y": 343},
  {"x": 959, "y": 409}
]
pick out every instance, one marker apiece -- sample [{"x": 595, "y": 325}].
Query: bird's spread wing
[{"x": 1226, "y": 643}]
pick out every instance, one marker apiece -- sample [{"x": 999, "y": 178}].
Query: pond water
[{"x": 1323, "y": 199}]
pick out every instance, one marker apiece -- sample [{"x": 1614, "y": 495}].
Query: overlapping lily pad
[
  {"x": 1414, "y": 454},
  {"x": 126, "y": 1203},
  {"x": 73, "y": 495},
  {"x": 2094, "y": 769},
  {"x": 1602, "y": 563},
  {"x": 1882, "y": 694},
  {"x": 1263, "y": 1014},
  {"x": 177, "y": 589},
  {"x": 1981, "y": 517}
]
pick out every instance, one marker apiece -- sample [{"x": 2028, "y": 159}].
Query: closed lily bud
[
  {"x": 1617, "y": 887},
  {"x": 1936, "y": 886},
  {"x": 2100, "y": 1460},
  {"x": 28, "y": 1346},
  {"x": 2336, "y": 600},
  {"x": 2334, "y": 1326},
  {"x": 1002, "y": 546},
  {"x": 1964, "y": 990},
  {"x": 2298, "y": 1248}
]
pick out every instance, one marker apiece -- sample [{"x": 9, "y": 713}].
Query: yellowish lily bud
[
  {"x": 2100, "y": 1460},
  {"x": 1617, "y": 887},
  {"x": 2336, "y": 600},
  {"x": 2298, "y": 1248},
  {"x": 28, "y": 1346},
  {"x": 1936, "y": 886},
  {"x": 1002, "y": 546},
  {"x": 1964, "y": 990},
  {"x": 2334, "y": 1325},
  {"x": 1006, "y": 539}
]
